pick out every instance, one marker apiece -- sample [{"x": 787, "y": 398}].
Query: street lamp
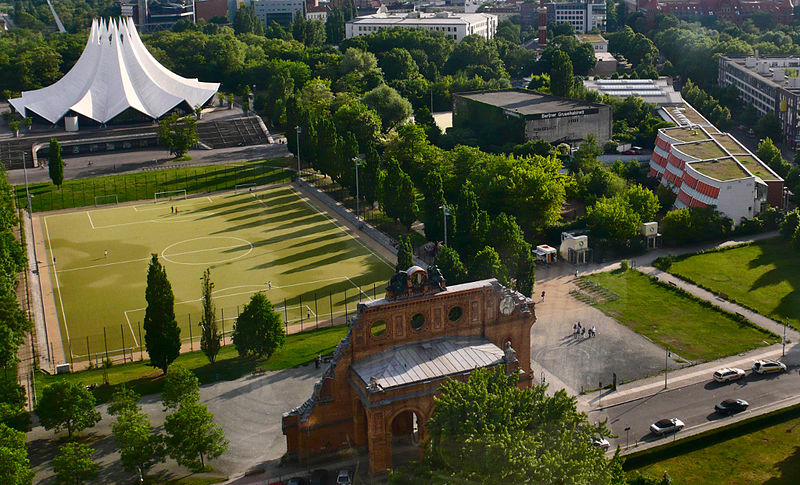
[
  {"x": 299, "y": 130},
  {"x": 783, "y": 351},
  {"x": 667, "y": 354},
  {"x": 445, "y": 213},
  {"x": 627, "y": 441},
  {"x": 357, "y": 161}
]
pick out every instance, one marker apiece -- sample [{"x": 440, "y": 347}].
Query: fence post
[
  {"x": 330, "y": 300},
  {"x": 191, "y": 342},
  {"x": 345, "y": 305},
  {"x": 71, "y": 364},
  {"x": 285, "y": 316},
  {"x": 373, "y": 291},
  {"x": 223, "y": 332},
  {"x": 122, "y": 333},
  {"x": 300, "y": 300},
  {"x": 141, "y": 344},
  {"x": 105, "y": 341},
  {"x": 88, "y": 354},
  {"x": 316, "y": 312}
]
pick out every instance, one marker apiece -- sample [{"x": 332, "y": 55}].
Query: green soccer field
[{"x": 315, "y": 267}]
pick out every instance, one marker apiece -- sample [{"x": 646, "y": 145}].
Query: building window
[
  {"x": 378, "y": 328},
  {"x": 455, "y": 314},
  {"x": 418, "y": 321}
]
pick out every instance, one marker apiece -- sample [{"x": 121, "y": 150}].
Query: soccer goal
[
  {"x": 105, "y": 199},
  {"x": 169, "y": 195},
  {"x": 239, "y": 188}
]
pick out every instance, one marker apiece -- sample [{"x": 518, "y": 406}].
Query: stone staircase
[
  {"x": 591, "y": 293},
  {"x": 233, "y": 132}
]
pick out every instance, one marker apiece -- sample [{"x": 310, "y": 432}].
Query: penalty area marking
[{"x": 55, "y": 275}]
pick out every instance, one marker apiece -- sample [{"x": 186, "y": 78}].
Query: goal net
[
  {"x": 169, "y": 195},
  {"x": 105, "y": 199},
  {"x": 239, "y": 188}
]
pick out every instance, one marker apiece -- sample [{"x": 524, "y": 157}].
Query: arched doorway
[{"x": 406, "y": 437}]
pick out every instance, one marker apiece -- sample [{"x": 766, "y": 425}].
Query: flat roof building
[
  {"x": 653, "y": 91},
  {"x": 519, "y": 115},
  {"x": 583, "y": 15},
  {"x": 771, "y": 84},
  {"x": 708, "y": 168},
  {"x": 454, "y": 25}
]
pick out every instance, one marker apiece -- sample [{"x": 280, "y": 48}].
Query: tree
[
  {"x": 181, "y": 386},
  {"x": 177, "y": 134},
  {"x": 67, "y": 405},
  {"x": 74, "y": 465},
  {"x": 769, "y": 126},
  {"x": 13, "y": 406},
  {"x": 450, "y": 265},
  {"x": 389, "y": 104},
  {"x": 405, "y": 254},
  {"x": 790, "y": 223},
  {"x": 431, "y": 207},
  {"x": 123, "y": 400},
  {"x": 473, "y": 224},
  {"x": 613, "y": 218},
  {"x": 14, "y": 320},
  {"x": 210, "y": 339},
  {"x": 140, "y": 448},
  {"x": 585, "y": 157},
  {"x": 487, "y": 264},
  {"x": 258, "y": 330},
  {"x": 162, "y": 335},
  {"x": 399, "y": 201},
  {"x": 246, "y": 22},
  {"x": 397, "y": 64},
  {"x": 55, "y": 163},
  {"x": 643, "y": 201},
  {"x": 14, "y": 463},
  {"x": 487, "y": 429},
  {"x": 192, "y": 435},
  {"x": 561, "y": 75},
  {"x": 771, "y": 155},
  {"x": 334, "y": 26}
]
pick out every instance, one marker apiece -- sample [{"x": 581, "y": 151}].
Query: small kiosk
[
  {"x": 546, "y": 253},
  {"x": 574, "y": 248},
  {"x": 652, "y": 238}
]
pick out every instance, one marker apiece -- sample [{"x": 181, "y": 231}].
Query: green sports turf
[{"x": 247, "y": 240}]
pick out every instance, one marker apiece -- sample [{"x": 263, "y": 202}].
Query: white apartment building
[
  {"x": 454, "y": 25},
  {"x": 584, "y": 16}
]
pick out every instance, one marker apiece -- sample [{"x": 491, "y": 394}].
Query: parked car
[
  {"x": 344, "y": 478},
  {"x": 727, "y": 374},
  {"x": 730, "y": 406},
  {"x": 296, "y": 481},
  {"x": 768, "y": 366},
  {"x": 663, "y": 426},
  {"x": 319, "y": 477},
  {"x": 601, "y": 443}
]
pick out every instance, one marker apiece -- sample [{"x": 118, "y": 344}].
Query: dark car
[
  {"x": 296, "y": 481},
  {"x": 730, "y": 406},
  {"x": 319, "y": 477}
]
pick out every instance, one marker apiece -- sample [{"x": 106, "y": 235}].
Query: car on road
[
  {"x": 731, "y": 406},
  {"x": 296, "y": 481},
  {"x": 768, "y": 366},
  {"x": 668, "y": 425},
  {"x": 727, "y": 374},
  {"x": 344, "y": 478},
  {"x": 601, "y": 443}
]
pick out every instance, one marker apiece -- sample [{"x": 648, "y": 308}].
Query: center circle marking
[{"x": 244, "y": 242}]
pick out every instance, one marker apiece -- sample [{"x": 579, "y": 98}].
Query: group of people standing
[{"x": 580, "y": 331}]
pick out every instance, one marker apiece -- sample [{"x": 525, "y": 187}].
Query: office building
[{"x": 454, "y": 26}]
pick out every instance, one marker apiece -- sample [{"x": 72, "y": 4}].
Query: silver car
[
  {"x": 768, "y": 366},
  {"x": 663, "y": 426}
]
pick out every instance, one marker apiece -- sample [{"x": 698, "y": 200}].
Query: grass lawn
[
  {"x": 89, "y": 192},
  {"x": 271, "y": 240},
  {"x": 764, "y": 275},
  {"x": 770, "y": 455},
  {"x": 298, "y": 349},
  {"x": 675, "y": 321}
]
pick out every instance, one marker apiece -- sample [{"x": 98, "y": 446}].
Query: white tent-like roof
[{"x": 114, "y": 73}]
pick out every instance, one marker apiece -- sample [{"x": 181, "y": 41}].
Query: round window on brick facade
[
  {"x": 417, "y": 321},
  {"x": 378, "y": 328},
  {"x": 455, "y": 314}
]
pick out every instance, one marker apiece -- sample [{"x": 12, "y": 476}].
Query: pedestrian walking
[
  {"x": 583, "y": 332},
  {"x": 576, "y": 272},
  {"x": 317, "y": 360},
  {"x": 574, "y": 329},
  {"x": 542, "y": 295},
  {"x": 308, "y": 314},
  {"x": 269, "y": 285},
  {"x": 594, "y": 331},
  {"x": 105, "y": 253}
]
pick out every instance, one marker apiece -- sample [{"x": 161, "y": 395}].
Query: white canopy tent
[{"x": 115, "y": 72}]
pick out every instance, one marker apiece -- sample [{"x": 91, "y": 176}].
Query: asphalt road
[{"x": 694, "y": 404}]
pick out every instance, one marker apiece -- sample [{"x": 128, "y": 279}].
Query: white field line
[
  {"x": 343, "y": 229},
  {"x": 132, "y": 332},
  {"x": 246, "y": 292},
  {"x": 359, "y": 289},
  {"x": 90, "y": 219},
  {"x": 147, "y": 259},
  {"x": 153, "y": 221},
  {"x": 159, "y": 207},
  {"x": 55, "y": 274}
]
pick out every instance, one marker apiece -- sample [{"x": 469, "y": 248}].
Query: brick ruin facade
[{"x": 349, "y": 409}]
